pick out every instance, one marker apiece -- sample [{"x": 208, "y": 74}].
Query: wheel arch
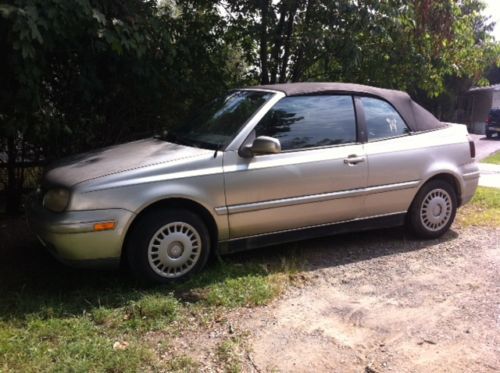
[
  {"x": 450, "y": 179},
  {"x": 183, "y": 203}
]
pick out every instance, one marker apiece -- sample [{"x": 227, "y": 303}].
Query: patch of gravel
[{"x": 373, "y": 302}]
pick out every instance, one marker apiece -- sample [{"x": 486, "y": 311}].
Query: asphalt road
[
  {"x": 484, "y": 146},
  {"x": 490, "y": 173}
]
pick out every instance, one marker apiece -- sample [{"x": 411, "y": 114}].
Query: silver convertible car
[{"x": 259, "y": 166}]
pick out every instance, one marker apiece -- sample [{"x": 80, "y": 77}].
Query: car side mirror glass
[{"x": 261, "y": 145}]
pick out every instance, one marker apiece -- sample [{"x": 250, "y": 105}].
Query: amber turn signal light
[{"x": 104, "y": 226}]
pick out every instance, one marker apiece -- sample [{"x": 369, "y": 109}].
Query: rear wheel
[
  {"x": 489, "y": 134},
  {"x": 433, "y": 209},
  {"x": 167, "y": 245}
]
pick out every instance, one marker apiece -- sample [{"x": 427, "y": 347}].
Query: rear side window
[
  {"x": 382, "y": 120},
  {"x": 303, "y": 122}
]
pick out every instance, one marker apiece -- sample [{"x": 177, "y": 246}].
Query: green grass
[
  {"x": 54, "y": 318},
  {"x": 229, "y": 354},
  {"x": 250, "y": 290},
  {"x": 184, "y": 364},
  {"x": 149, "y": 313},
  {"x": 239, "y": 285},
  {"x": 63, "y": 344},
  {"x": 482, "y": 210},
  {"x": 494, "y": 159}
]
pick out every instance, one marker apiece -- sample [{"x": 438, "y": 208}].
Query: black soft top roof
[{"x": 417, "y": 118}]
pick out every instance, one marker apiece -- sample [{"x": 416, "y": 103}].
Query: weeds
[
  {"x": 54, "y": 325},
  {"x": 230, "y": 354},
  {"x": 184, "y": 364}
]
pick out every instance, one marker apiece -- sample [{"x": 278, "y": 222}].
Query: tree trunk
[
  {"x": 288, "y": 40},
  {"x": 278, "y": 42},
  {"x": 264, "y": 72},
  {"x": 13, "y": 195},
  {"x": 298, "y": 66}
]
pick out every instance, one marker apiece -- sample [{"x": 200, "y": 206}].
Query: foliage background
[{"x": 79, "y": 74}]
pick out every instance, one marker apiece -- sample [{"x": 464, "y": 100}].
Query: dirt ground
[
  {"x": 364, "y": 302},
  {"x": 374, "y": 302}
]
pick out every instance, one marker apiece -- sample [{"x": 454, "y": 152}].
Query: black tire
[
  {"x": 187, "y": 240},
  {"x": 433, "y": 210},
  {"x": 489, "y": 134}
]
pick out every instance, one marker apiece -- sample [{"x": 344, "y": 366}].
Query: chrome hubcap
[
  {"x": 174, "y": 249},
  {"x": 436, "y": 209}
]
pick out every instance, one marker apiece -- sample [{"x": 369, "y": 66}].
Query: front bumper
[{"x": 70, "y": 235}]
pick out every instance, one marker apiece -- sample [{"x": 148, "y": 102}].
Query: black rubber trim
[
  {"x": 360, "y": 120},
  {"x": 308, "y": 233}
]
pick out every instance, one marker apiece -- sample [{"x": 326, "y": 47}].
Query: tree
[
  {"x": 86, "y": 73},
  {"x": 410, "y": 45},
  {"x": 79, "y": 74}
]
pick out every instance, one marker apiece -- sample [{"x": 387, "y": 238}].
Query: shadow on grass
[{"x": 33, "y": 283}]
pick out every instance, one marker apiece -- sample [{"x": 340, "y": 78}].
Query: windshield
[{"x": 215, "y": 125}]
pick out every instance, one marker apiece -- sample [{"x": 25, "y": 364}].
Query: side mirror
[{"x": 261, "y": 145}]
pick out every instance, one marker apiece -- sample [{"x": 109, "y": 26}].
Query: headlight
[{"x": 56, "y": 199}]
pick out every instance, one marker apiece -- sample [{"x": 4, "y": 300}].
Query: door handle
[{"x": 353, "y": 159}]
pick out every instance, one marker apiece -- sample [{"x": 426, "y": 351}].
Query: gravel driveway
[
  {"x": 376, "y": 302},
  {"x": 424, "y": 307}
]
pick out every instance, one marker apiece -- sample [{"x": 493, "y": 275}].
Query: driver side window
[{"x": 302, "y": 122}]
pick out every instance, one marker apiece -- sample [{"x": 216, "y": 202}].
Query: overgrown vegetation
[
  {"x": 81, "y": 74},
  {"x": 483, "y": 210}
]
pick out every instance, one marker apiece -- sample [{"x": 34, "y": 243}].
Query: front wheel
[
  {"x": 167, "y": 245},
  {"x": 433, "y": 209},
  {"x": 489, "y": 134}
]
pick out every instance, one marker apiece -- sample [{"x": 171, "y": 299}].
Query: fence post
[{"x": 13, "y": 195}]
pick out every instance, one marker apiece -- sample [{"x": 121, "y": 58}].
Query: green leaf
[
  {"x": 99, "y": 17},
  {"x": 6, "y": 10}
]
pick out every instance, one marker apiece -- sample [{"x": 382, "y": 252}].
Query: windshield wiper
[{"x": 217, "y": 148}]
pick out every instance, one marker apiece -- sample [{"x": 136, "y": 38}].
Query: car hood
[{"x": 115, "y": 159}]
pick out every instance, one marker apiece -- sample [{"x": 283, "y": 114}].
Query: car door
[
  {"x": 395, "y": 158},
  {"x": 316, "y": 179}
]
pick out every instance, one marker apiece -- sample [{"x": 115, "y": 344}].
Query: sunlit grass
[
  {"x": 103, "y": 328},
  {"x": 482, "y": 210},
  {"x": 494, "y": 159},
  {"x": 61, "y": 344},
  {"x": 184, "y": 364},
  {"x": 229, "y": 353}
]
